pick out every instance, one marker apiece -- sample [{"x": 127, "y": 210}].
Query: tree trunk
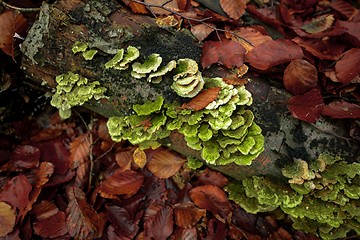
[{"x": 107, "y": 26}]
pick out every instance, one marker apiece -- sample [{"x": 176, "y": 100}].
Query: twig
[
  {"x": 149, "y": 6},
  {"x": 6, "y": 5}
]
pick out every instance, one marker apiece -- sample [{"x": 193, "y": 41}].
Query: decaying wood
[{"x": 107, "y": 26}]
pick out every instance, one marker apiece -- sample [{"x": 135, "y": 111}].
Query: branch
[{"x": 6, "y": 5}]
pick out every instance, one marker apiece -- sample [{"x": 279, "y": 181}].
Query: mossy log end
[{"x": 107, "y": 26}]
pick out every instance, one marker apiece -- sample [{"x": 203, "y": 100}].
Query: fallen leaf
[
  {"x": 137, "y": 7},
  {"x": 123, "y": 159},
  {"x": 341, "y": 109},
  {"x": 122, "y": 222},
  {"x": 81, "y": 219},
  {"x": 7, "y": 219},
  {"x": 213, "y": 199},
  {"x": 203, "y": 99},
  {"x": 300, "y": 76},
  {"x": 165, "y": 163},
  {"x": 51, "y": 227},
  {"x": 319, "y": 24},
  {"x": 139, "y": 157},
  {"x": 160, "y": 226},
  {"x": 201, "y": 31},
  {"x": 345, "y": 8},
  {"x": 352, "y": 31},
  {"x": 216, "y": 229},
  {"x": 274, "y": 52},
  {"x": 307, "y": 107},
  {"x": 184, "y": 234},
  {"x": 42, "y": 174},
  {"x": 347, "y": 68},
  {"x": 164, "y": 3},
  {"x": 25, "y": 156},
  {"x": 121, "y": 182},
  {"x": 212, "y": 177},
  {"x": 11, "y": 22},
  {"x": 79, "y": 150},
  {"x": 234, "y": 8},
  {"x": 44, "y": 209},
  {"x": 225, "y": 52},
  {"x": 187, "y": 214}
]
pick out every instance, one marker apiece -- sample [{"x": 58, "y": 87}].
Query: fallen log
[{"x": 107, "y": 26}]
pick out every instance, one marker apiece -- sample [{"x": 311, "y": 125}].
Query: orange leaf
[
  {"x": 202, "y": 99},
  {"x": 123, "y": 159},
  {"x": 300, "y": 76},
  {"x": 139, "y": 157},
  {"x": 138, "y": 8},
  {"x": 51, "y": 227},
  {"x": 201, "y": 31},
  {"x": 234, "y": 8},
  {"x": 165, "y": 163},
  {"x": 347, "y": 68},
  {"x": 213, "y": 199},
  {"x": 121, "y": 182},
  {"x": 212, "y": 177},
  {"x": 167, "y": 4},
  {"x": 7, "y": 219},
  {"x": 79, "y": 150},
  {"x": 187, "y": 214}
]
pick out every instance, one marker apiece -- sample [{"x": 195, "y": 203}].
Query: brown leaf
[
  {"x": 345, "y": 8},
  {"x": 123, "y": 159},
  {"x": 319, "y": 24},
  {"x": 160, "y": 226},
  {"x": 7, "y": 219},
  {"x": 51, "y": 227},
  {"x": 212, "y": 177},
  {"x": 300, "y": 76},
  {"x": 137, "y": 7},
  {"x": 25, "y": 156},
  {"x": 121, "y": 182},
  {"x": 165, "y": 163},
  {"x": 203, "y": 99},
  {"x": 307, "y": 107},
  {"x": 234, "y": 8},
  {"x": 79, "y": 150},
  {"x": 352, "y": 30},
  {"x": 16, "y": 193},
  {"x": 103, "y": 131},
  {"x": 139, "y": 157},
  {"x": 184, "y": 234},
  {"x": 213, "y": 199},
  {"x": 225, "y": 52},
  {"x": 274, "y": 52},
  {"x": 187, "y": 214},
  {"x": 168, "y": 4},
  {"x": 81, "y": 218},
  {"x": 44, "y": 209},
  {"x": 11, "y": 22},
  {"x": 347, "y": 68},
  {"x": 123, "y": 224},
  {"x": 342, "y": 109},
  {"x": 43, "y": 173},
  {"x": 201, "y": 31}
]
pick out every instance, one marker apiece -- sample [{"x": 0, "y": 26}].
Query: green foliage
[{"x": 321, "y": 197}]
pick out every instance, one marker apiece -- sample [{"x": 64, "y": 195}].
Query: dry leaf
[
  {"x": 51, "y": 227},
  {"x": 160, "y": 226},
  {"x": 201, "y": 31},
  {"x": 212, "y": 177},
  {"x": 203, "y": 99},
  {"x": 123, "y": 224},
  {"x": 319, "y": 24},
  {"x": 343, "y": 7},
  {"x": 347, "y": 68},
  {"x": 25, "y": 156},
  {"x": 165, "y": 163},
  {"x": 187, "y": 214},
  {"x": 44, "y": 209},
  {"x": 7, "y": 219},
  {"x": 79, "y": 150},
  {"x": 165, "y": 3},
  {"x": 342, "y": 109},
  {"x": 139, "y": 157},
  {"x": 234, "y": 8},
  {"x": 123, "y": 159}
]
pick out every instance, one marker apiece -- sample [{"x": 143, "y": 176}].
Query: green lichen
[
  {"x": 79, "y": 47},
  {"x": 321, "y": 197},
  {"x": 74, "y": 90},
  {"x": 112, "y": 63},
  {"x": 89, "y": 54}
]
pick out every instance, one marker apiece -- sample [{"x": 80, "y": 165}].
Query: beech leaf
[
  {"x": 342, "y": 109},
  {"x": 234, "y": 8},
  {"x": 51, "y": 227},
  {"x": 300, "y": 76},
  {"x": 202, "y": 99},
  {"x": 307, "y": 107},
  {"x": 160, "y": 226},
  {"x": 121, "y": 182},
  {"x": 187, "y": 214},
  {"x": 226, "y": 52},
  {"x": 343, "y": 7},
  {"x": 201, "y": 31},
  {"x": 139, "y": 157},
  {"x": 347, "y": 68},
  {"x": 319, "y": 24},
  {"x": 121, "y": 221},
  {"x": 274, "y": 52},
  {"x": 7, "y": 219},
  {"x": 184, "y": 234},
  {"x": 212, "y": 177},
  {"x": 213, "y": 199},
  {"x": 165, "y": 163},
  {"x": 79, "y": 150},
  {"x": 44, "y": 209},
  {"x": 26, "y": 156},
  {"x": 251, "y": 34}
]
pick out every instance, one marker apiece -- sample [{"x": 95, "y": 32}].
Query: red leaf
[
  {"x": 81, "y": 218},
  {"x": 11, "y": 22},
  {"x": 234, "y": 8},
  {"x": 44, "y": 209},
  {"x": 343, "y": 7},
  {"x": 122, "y": 222},
  {"x": 352, "y": 29},
  {"x": 202, "y": 99},
  {"x": 212, "y": 177},
  {"x": 7, "y": 219},
  {"x": 225, "y": 52},
  {"x": 187, "y": 214},
  {"x": 184, "y": 234},
  {"x": 272, "y": 53},
  {"x": 201, "y": 31},
  {"x": 213, "y": 199},
  {"x": 347, "y": 68},
  {"x": 26, "y": 156},
  {"x": 42, "y": 174},
  {"x": 307, "y": 107},
  {"x": 168, "y": 4},
  {"x": 342, "y": 109},
  {"x": 165, "y": 163},
  {"x": 300, "y": 76},
  {"x": 127, "y": 182},
  {"x": 160, "y": 226},
  {"x": 79, "y": 150},
  {"x": 51, "y": 227},
  {"x": 16, "y": 193}
]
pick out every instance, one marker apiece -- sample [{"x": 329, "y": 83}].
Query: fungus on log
[{"x": 106, "y": 28}]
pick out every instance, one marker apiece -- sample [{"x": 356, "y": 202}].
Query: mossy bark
[{"x": 107, "y": 26}]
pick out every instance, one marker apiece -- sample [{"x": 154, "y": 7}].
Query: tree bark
[{"x": 108, "y": 26}]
